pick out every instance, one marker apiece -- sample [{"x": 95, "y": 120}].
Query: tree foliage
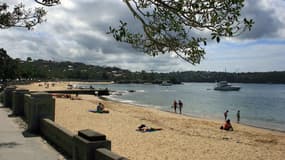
[
  {"x": 8, "y": 66},
  {"x": 169, "y": 25},
  {"x": 19, "y": 16},
  {"x": 51, "y": 70}
]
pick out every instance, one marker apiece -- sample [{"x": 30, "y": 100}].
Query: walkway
[{"x": 14, "y": 145}]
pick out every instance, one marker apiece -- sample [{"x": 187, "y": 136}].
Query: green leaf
[{"x": 218, "y": 39}]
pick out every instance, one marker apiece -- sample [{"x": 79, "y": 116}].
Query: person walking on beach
[
  {"x": 180, "y": 105},
  {"x": 238, "y": 116},
  {"x": 226, "y": 114},
  {"x": 174, "y": 105}
]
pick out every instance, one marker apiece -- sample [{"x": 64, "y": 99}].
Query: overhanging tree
[
  {"x": 169, "y": 26},
  {"x": 19, "y": 16}
]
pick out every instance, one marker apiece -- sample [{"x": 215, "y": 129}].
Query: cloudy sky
[{"x": 76, "y": 31}]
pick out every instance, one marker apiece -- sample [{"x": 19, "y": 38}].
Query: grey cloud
[
  {"x": 63, "y": 32},
  {"x": 106, "y": 46},
  {"x": 98, "y": 17},
  {"x": 266, "y": 24}
]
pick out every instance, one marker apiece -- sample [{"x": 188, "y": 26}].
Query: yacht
[
  {"x": 165, "y": 83},
  {"x": 225, "y": 86}
]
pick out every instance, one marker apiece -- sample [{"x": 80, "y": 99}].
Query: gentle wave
[
  {"x": 132, "y": 102},
  {"x": 261, "y": 105}
]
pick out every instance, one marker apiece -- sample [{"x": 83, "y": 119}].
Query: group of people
[
  {"x": 143, "y": 128},
  {"x": 228, "y": 126},
  {"x": 178, "y": 105},
  {"x": 226, "y": 115}
]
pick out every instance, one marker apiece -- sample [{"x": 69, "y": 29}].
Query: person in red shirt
[{"x": 227, "y": 126}]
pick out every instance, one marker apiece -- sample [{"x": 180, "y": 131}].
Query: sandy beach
[{"x": 181, "y": 137}]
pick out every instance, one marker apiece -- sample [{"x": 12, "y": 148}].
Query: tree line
[{"x": 29, "y": 69}]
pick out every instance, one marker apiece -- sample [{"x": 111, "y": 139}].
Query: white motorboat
[
  {"x": 225, "y": 86},
  {"x": 165, "y": 83}
]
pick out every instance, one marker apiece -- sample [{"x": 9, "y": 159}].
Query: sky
[{"x": 76, "y": 31}]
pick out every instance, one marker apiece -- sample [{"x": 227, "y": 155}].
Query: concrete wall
[
  {"x": 39, "y": 113},
  {"x": 38, "y": 106},
  {"x": 86, "y": 145},
  {"x": 58, "y": 135},
  {"x": 90, "y": 146},
  {"x": 27, "y": 103},
  {"x": 8, "y": 96},
  {"x": 1, "y": 97},
  {"x": 105, "y": 154},
  {"x": 18, "y": 101}
]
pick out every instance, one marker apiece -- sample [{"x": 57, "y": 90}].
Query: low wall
[
  {"x": 39, "y": 113},
  {"x": 27, "y": 104},
  {"x": 57, "y": 135},
  {"x": 86, "y": 145},
  {"x": 18, "y": 101},
  {"x": 1, "y": 97},
  {"x": 105, "y": 154},
  {"x": 38, "y": 106},
  {"x": 7, "y": 101}
]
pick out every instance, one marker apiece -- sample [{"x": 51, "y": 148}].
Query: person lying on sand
[
  {"x": 227, "y": 126},
  {"x": 144, "y": 128}
]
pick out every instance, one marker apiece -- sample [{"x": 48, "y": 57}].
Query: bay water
[{"x": 260, "y": 105}]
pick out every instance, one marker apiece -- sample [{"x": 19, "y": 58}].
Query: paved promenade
[{"x": 15, "y": 146}]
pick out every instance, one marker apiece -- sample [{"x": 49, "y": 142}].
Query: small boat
[
  {"x": 69, "y": 86},
  {"x": 225, "y": 86},
  {"x": 165, "y": 83}
]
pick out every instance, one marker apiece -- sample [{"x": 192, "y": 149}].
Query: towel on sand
[{"x": 95, "y": 111}]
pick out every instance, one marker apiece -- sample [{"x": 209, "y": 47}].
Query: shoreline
[
  {"x": 188, "y": 115},
  {"x": 64, "y": 83},
  {"x": 183, "y": 137}
]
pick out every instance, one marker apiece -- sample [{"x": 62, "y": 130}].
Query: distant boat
[
  {"x": 165, "y": 83},
  {"x": 69, "y": 86},
  {"x": 225, "y": 86}
]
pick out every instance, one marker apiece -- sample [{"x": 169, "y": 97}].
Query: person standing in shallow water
[
  {"x": 226, "y": 114},
  {"x": 238, "y": 116},
  {"x": 180, "y": 105},
  {"x": 175, "y": 105}
]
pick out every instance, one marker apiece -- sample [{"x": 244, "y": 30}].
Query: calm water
[{"x": 261, "y": 105}]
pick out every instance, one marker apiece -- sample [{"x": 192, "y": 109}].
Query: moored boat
[
  {"x": 225, "y": 86},
  {"x": 165, "y": 83}
]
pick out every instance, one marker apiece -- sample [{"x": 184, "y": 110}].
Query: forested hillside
[
  {"x": 16, "y": 69},
  {"x": 51, "y": 70}
]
